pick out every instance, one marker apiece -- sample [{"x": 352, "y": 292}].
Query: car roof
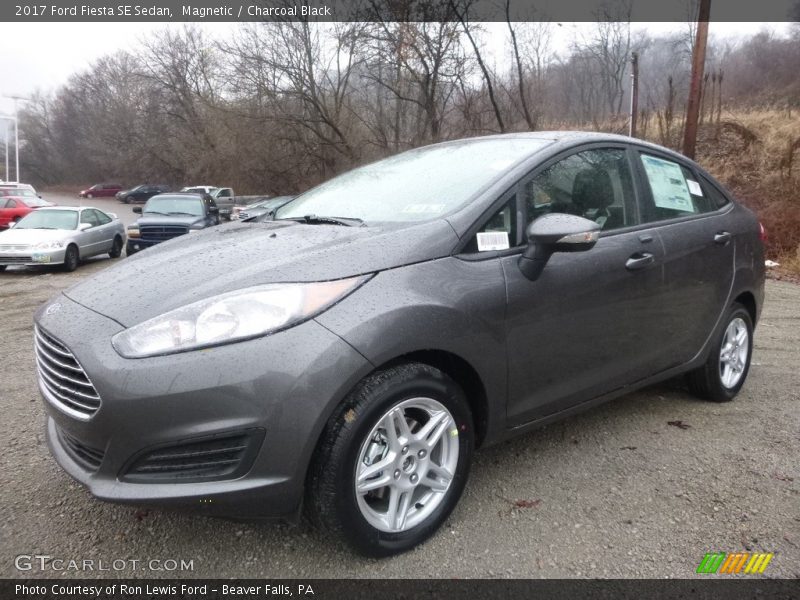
[
  {"x": 67, "y": 208},
  {"x": 188, "y": 194}
]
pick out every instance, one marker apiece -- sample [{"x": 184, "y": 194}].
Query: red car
[
  {"x": 16, "y": 203},
  {"x": 100, "y": 190}
]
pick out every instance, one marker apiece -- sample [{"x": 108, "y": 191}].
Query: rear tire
[
  {"x": 725, "y": 370},
  {"x": 116, "y": 248},
  {"x": 425, "y": 471},
  {"x": 3, "y": 268},
  {"x": 71, "y": 258}
]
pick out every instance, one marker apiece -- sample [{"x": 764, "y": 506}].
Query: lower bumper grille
[
  {"x": 86, "y": 456},
  {"x": 209, "y": 459},
  {"x": 15, "y": 259}
]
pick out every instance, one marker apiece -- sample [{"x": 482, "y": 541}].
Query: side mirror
[
  {"x": 137, "y": 210},
  {"x": 84, "y": 226},
  {"x": 555, "y": 233}
]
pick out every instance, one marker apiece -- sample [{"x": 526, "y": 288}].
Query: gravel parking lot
[{"x": 641, "y": 487}]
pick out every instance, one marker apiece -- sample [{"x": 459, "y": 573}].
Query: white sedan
[{"x": 61, "y": 235}]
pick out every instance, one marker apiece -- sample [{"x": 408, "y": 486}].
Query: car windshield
[
  {"x": 417, "y": 185},
  {"x": 49, "y": 219},
  {"x": 174, "y": 205}
]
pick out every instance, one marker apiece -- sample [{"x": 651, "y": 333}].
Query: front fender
[{"x": 447, "y": 305}]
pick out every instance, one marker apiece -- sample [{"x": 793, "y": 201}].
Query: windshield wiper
[
  {"x": 316, "y": 220},
  {"x": 184, "y": 213},
  {"x": 155, "y": 212}
]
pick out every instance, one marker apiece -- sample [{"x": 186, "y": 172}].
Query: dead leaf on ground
[{"x": 679, "y": 424}]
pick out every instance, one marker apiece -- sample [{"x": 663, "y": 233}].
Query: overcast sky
[{"x": 43, "y": 55}]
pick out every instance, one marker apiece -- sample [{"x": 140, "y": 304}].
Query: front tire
[
  {"x": 71, "y": 258},
  {"x": 89, "y": 196},
  {"x": 725, "y": 371},
  {"x": 116, "y": 248},
  {"x": 393, "y": 460}
]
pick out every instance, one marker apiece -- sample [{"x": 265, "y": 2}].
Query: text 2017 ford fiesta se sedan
[{"x": 393, "y": 319}]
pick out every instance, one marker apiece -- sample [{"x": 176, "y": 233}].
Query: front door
[{"x": 591, "y": 323}]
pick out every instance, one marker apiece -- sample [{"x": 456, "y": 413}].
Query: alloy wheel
[
  {"x": 406, "y": 464},
  {"x": 734, "y": 353}
]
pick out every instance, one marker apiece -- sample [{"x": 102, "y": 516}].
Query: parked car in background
[
  {"x": 101, "y": 190},
  {"x": 225, "y": 200},
  {"x": 348, "y": 357},
  {"x": 15, "y": 203},
  {"x": 61, "y": 235},
  {"x": 141, "y": 193},
  {"x": 200, "y": 189},
  {"x": 170, "y": 215},
  {"x": 13, "y": 185},
  {"x": 260, "y": 210}
]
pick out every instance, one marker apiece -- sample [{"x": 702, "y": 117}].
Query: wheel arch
[
  {"x": 748, "y": 300},
  {"x": 463, "y": 373}
]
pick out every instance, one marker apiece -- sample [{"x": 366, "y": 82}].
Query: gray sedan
[
  {"x": 61, "y": 236},
  {"x": 390, "y": 321}
]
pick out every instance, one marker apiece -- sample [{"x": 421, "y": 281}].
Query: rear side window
[
  {"x": 102, "y": 218},
  {"x": 674, "y": 191}
]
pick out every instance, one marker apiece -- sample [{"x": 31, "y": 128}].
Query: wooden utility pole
[
  {"x": 634, "y": 93},
  {"x": 698, "y": 64}
]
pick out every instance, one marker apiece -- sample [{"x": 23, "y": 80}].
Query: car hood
[
  {"x": 170, "y": 220},
  {"x": 230, "y": 257},
  {"x": 34, "y": 236}
]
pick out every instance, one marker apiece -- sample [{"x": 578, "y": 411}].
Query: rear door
[
  {"x": 698, "y": 249},
  {"x": 591, "y": 322}
]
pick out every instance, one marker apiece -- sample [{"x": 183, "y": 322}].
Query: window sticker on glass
[
  {"x": 668, "y": 184},
  {"x": 492, "y": 240},
  {"x": 694, "y": 188}
]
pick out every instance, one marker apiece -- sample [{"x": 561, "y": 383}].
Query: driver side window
[{"x": 594, "y": 184}]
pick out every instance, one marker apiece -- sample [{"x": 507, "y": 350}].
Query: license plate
[{"x": 42, "y": 258}]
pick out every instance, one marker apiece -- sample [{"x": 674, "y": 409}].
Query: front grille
[
  {"x": 223, "y": 457},
  {"x": 161, "y": 233},
  {"x": 16, "y": 259},
  {"x": 63, "y": 378},
  {"x": 86, "y": 456},
  {"x": 14, "y": 247}
]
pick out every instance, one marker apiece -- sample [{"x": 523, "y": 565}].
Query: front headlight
[
  {"x": 133, "y": 232},
  {"x": 235, "y": 316},
  {"x": 49, "y": 245}
]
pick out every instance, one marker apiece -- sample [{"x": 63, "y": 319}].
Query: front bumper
[
  {"x": 282, "y": 386},
  {"x": 137, "y": 244},
  {"x": 32, "y": 257}
]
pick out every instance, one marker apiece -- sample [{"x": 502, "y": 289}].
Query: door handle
[
  {"x": 640, "y": 260},
  {"x": 722, "y": 238}
]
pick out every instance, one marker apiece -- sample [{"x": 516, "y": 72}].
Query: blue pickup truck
[{"x": 169, "y": 215}]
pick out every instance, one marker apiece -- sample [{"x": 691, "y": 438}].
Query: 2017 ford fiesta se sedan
[{"x": 392, "y": 320}]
